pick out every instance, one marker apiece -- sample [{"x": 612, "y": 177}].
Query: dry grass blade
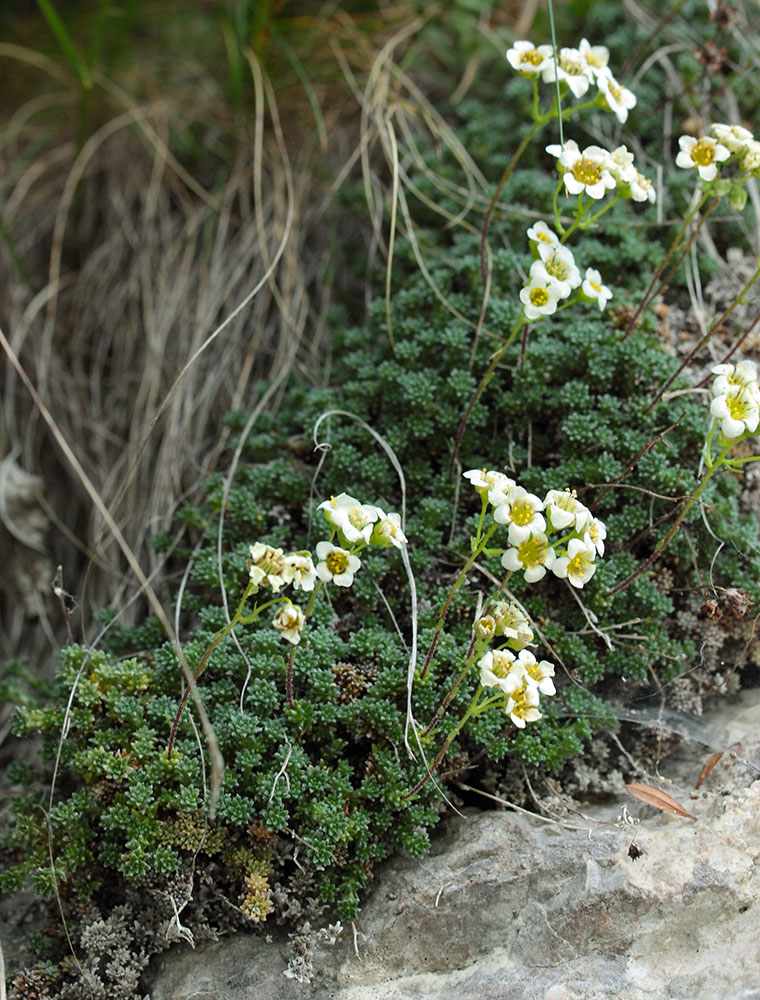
[{"x": 657, "y": 798}]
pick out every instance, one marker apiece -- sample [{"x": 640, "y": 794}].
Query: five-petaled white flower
[
  {"x": 540, "y": 233},
  {"x": 619, "y": 99},
  {"x": 534, "y": 556},
  {"x": 529, "y": 59},
  {"x": 495, "y": 668},
  {"x": 539, "y": 298},
  {"x": 522, "y": 512},
  {"x": 737, "y": 410},
  {"x": 559, "y": 265},
  {"x": 512, "y": 623},
  {"x": 596, "y": 58},
  {"x": 353, "y": 519},
  {"x": 538, "y": 673},
  {"x": 572, "y": 69},
  {"x": 593, "y": 289},
  {"x": 387, "y": 530},
  {"x": 522, "y": 704},
  {"x": 565, "y": 509},
  {"x": 585, "y": 170},
  {"x": 749, "y": 157},
  {"x": 336, "y": 565},
  {"x": 642, "y": 189},
  {"x": 290, "y": 620},
  {"x": 578, "y": 565},
  {"x": 704, "y": 154},
  {"x": 303, "y": 573},
  {"x": 595, "y": 534}
]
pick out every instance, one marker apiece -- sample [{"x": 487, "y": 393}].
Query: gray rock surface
[{"x": 509, "y": 907}]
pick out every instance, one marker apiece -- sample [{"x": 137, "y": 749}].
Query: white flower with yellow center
[
  {"x": 539, "y": 298},
  {"x": 559, "y": 264},
  {"x": 336, "y": 565},
  {"x": 485, "y": 480},
  {"x": 566, "y": 511},
  {"x": 495, "y": 668},
  {"x": 593, "y": 290},
  {"x": 596, "y": 57},
  {"x": 302, "y": 568},
  {"x": 578, "y": 565},
  {"x": 595, "y": 534},
  {"x": 290, "y": 621},
  {"x": 737, "y": 410},
  {"x": 743, "y": 374},
  {"x": 522, "y": 512},
  {"x": 529, "y": 59},
  {"x": 354, "y": 520},
  {"x": 749, "y": 157},
  {"x": 733, "y": 137},
  {"x": 704, "y": 154},
  {"x": 522, "y": 704},
  {"x": 512, "y": 623},
  {"x": 583, "y": 171},
  {"x": 538, "y": 673},
  {"x": 571, "y": 68},
  {"x": 387, "y": 530},
  {"x": 533, "y": 556},
  {"x": 619, "y": 99},
  {"x": 540, "y": 233},
  {"x": 267, "y": 567}
]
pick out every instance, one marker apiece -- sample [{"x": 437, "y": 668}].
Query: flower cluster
[
  {"x": 577, "y": 68},
  {"x": 530, "y": 521},
  {"x": 595, "y": 171},
  {"x": 355, "y": 524},
  {"x": 521, "y": 678},
  {"x": 554, "y": 275},
  {"x": 736, "y": 398},
  {"x": 707, "y": 152}
]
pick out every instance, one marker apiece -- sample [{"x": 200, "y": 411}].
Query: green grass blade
[{"x": 65, "y": 42}]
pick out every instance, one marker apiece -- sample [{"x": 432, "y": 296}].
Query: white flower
[
  {"x": 304, "y": 574},
  {"x": 267, "y": 566},
  {"x": 539, "y": 298},
  {"x": 387, "y": 530},
  {"x": 528, "y": 59},
  {"x": 523, "y": 700},
  {"x": 578, "y": 565},
  {"x": 511, "y": 622},
  {"x": 571, "y": 68},
  {"x": 559, "y": 264},
  {"x": 534, "y": 556},
  {"x": 619, "y": 99},
  {"x": 620, "y": 165},
  {"x": 522, "y": 512},
  {"x": 495, "y": 667},
  {"x": 596, "y": 57},
  {"x": 742, "y": 374},
  {"x": 642, "y": 188},
  {"x": 539, "y": 674},
  {"x": 705, "y": 154},
  {"x": 594, "y": 290},
  {"x": 540, "y": 233},
  {"x": 485, "y": 480},
  {"x": 738, "y": 410},
  {"x": 336, "y": 564},
  {"x": 565, "y": 509},
  {"x": 749, "y": 157},
  {"x": 485, "y": 627},
  {"x": 733, "y": 137},
  {"x": 595, "y": 534},
  {"x": 290, "y": 621},
  {"x": 583, "y": 171},
  {"x": 353, "y": 519}
]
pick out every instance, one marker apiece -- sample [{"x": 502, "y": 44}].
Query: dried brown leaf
[
  {"x": 659, "y": 799},
  {"x": 711, "y": 762}
]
